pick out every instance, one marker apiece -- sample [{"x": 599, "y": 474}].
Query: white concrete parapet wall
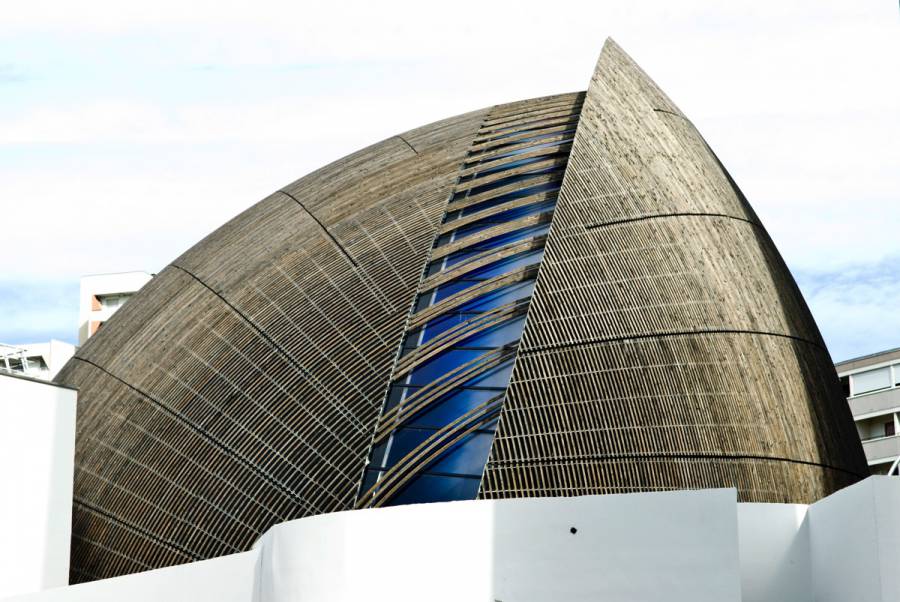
[
  {"x": 624, "y": 547},
  {"x": 671, "y": 546},
  {"x": 37, "y": 446}
]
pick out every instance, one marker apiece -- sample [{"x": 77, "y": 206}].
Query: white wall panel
[{"x": 37, "y": 444}]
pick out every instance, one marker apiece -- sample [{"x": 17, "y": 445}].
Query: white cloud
[{"x": 117, "y": 150}]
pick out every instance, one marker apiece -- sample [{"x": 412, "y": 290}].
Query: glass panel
[
  {"x": 378, "y": 457},
  {"x": 424, "y": 300},
  {"x": 511, "y": 180},
  {"x": 451, "y": 288},
  {"x": 453, "y": 406},
  {"x": 456, "y": 474},
  {"x": 508, "y": 332},
  {"x": 428, "y": 488},
  {"x": 498, "y": 377},
  {"x": 502, "y": 218},
  {"x": 506, "y": 167},
  {"x": 505, "y": 198},
  {"x": 510, "y": 264},
  {"x": 871, "y": 380},
  {"x": 565, "y": 140},
  {"x": 395, "y": 395},
  {"x": 403, "y": 441},
  {"x": 466, "y": 457},
  {"x": 499, "y": 297},
  {"x": 497, "y": 241},
  {"x": 443, "y": 324},
  {"x": 440, "y": 365},
  {"x": 504, "y": 266},
  {"x": 536, "y": 130}
]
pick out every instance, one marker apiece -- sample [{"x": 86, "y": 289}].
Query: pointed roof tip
[{"x": 610, "y": 43}]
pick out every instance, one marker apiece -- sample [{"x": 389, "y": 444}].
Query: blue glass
[
  {"x": 441, "y": 364},
  {"x": 496, "y": 378},
  {"x": 424, "y": 300},
  {"x": 497, "y": 241},
  {"x": 506, "y": 166},
  {"x": 403, "y": 441},
  {"x": 456, "y": 474},
  {"x": 426, "y": 488},
  {"x": 508, "y": 332},
  {"x": 512, "y": 180},
  {"x": 395, "y": 394},
  {"x": 502, "y": 218},
  {"x": 444, "y": 323},
  {"x": 452, "y": 406},
  {"x": 498, "y": 297},
  {"x": 467, "y": 457},
  {"x": 377, "y": 454},
  {"x": 443, "y": 239},
  {"x": 505, "y": 198},
  {"x": 487, "y": 272},
  {"x": 504, "y": 266},
  {"x": 370, "y": 479},
  {"x": 448, "y": 289},
  {"x": 565, "y": 140},
  {"x": 537, "y": 133}
]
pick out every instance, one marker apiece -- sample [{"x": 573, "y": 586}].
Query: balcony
[
  {"x": 882, "y": 448},
  {"x": 879, "y": 401}
]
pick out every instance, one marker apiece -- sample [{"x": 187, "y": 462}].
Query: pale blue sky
[{"x": 129, "y": 132}]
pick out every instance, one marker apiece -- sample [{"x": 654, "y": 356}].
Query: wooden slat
[{"x": 666, "y": 345}]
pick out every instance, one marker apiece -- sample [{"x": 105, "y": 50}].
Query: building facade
[
  {"x": 872, "y": 386},
  {"x": 36, "y": 360},
  {"x": 560, "y": 296},
  {"x": 101, "y": 295}
]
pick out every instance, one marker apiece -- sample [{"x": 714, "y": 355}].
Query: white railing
[
  {"x": 895, "y": 468},
  {"x": 16, "y": 354}
]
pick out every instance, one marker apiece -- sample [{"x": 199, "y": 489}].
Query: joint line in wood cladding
[
  {"x": 142, "y": 532},
  {"x": 306, "y": 373},
  {"x": 330, "y": 236},
  {"x": 665, "y": 455},
  {"x": 411, "y": 147},
  {"x": 660, "y": 335},
  {"x": 203, "y": 434},
  {"x": 664, "y": 215}
]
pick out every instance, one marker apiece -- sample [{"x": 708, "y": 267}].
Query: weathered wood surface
[
  {"x": 241, "y": 387},
  {"x": 666, "y": 345}
]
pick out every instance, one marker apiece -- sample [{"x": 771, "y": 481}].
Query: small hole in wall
[{"x": 573, "y": 530}]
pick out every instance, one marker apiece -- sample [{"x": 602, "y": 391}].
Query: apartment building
[
  {"x": 102, "y": 295},
  {"x": 872, "y": 386}
]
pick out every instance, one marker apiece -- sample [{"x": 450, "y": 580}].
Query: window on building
[
  {"x": 871, "y": 380},
  {"x": 845, "y": 385},
  {"x": 889, "y": 429}
]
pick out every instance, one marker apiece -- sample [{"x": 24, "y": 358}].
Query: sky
[{"x": 128, "y": 130}]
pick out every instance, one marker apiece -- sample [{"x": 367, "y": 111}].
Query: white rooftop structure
[{"x": 36, "y": 360}]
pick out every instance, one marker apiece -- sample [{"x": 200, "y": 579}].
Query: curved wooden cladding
[
  {"x": 756, "y": 480},
  {"x": 666, "y": 344},
  {"x": 726, "y": 395},
  {"x": 241, "y": 387}
]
